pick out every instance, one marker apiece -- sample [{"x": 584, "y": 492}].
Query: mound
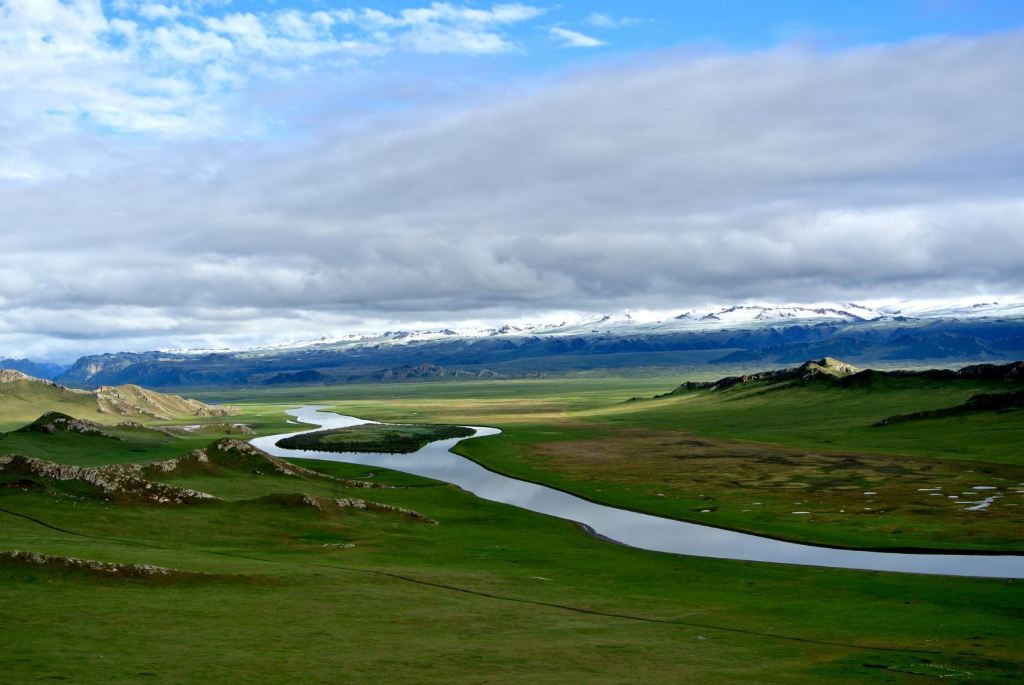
[
  {"x": 327, "y": 505},
  {"x": 133, "y": 400},
  {"x": 393, "y": 438},
  {"x": 977, "y": 404},
  {"x": 236, "y": 455},
  {"x": 104, "y": 568},
  {"x": 121, "y": 482},
  {"x": 847, "y": 375},
  {"x": 826, "y": 368},
  {"x": 56, "y": 422}
]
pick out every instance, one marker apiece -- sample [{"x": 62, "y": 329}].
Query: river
[{"x": 627, "y": 527}]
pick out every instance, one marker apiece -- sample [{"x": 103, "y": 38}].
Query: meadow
[{"x": 269, "y": 589}]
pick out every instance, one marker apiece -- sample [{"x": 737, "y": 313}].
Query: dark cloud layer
[{"x": 786, "y": 175}]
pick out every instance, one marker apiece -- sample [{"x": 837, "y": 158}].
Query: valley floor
[{"x": 290, "y": 592}]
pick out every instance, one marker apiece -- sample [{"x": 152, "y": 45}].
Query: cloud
[
  {"x": 606, "y": 21},
  {"x": 784, "y": 174},
  {"x": 157, "y": 11},
  {"x": 146, "y": 68},
  {"x": 574, "y": 39}
]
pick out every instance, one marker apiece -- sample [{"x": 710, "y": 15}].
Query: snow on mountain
[
  {"x": 753, "y": 314},
  {"x": 647, "y": 322}
]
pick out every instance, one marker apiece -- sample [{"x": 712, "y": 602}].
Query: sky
[{"x": 209, "y": 173}]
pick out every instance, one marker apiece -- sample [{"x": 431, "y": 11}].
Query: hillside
[
  {"x": 847, "y": 375},
  {"x": 23, "y": 398}
]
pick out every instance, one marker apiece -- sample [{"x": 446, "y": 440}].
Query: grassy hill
[{"x": 23, "y": 398}]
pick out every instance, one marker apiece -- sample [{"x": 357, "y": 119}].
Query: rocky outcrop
[
  {"x": 329, "y": 505},
  {"x": 826, "y": 368},
  {"x": 120, "y": 400},
  {"x": 134, "y": 400},
  {"x": 120, "y": 482},
  {"x": 847, "y": 375},
  {"x": 238, "y": 455},
  {"x": 98, "y": 567},
  {"x": 12, "y": 376},
  {"x": 56, "y": 422}
]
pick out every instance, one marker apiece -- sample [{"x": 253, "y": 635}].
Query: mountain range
[{"x": 741, "y": 336}]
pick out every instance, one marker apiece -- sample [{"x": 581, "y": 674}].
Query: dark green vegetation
[
  {"x": 376, "y": 437},
  {"x": 267, "y": 585}
]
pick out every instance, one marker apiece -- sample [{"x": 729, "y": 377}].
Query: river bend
[{"x": 627, "y": 527}]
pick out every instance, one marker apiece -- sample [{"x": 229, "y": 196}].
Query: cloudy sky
[{"x": 218, "y": 172}]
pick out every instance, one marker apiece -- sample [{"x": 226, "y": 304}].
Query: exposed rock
[
  {"x": 100, "y": 567},
  {"x": 221, "y": 428},
  {"x": 821, "y": 368},
  {"x": 120, "y": 400},
  {"x": 56, "y": 422},
  {"x": 847, "y": 375},
  {"x": 12, "y": 376},
  {"x": 239, "y": 455},
  {"x": 329, "y": 505},
  {"x": 122, "y": 482},
  {"x": 133, "y": 400}
]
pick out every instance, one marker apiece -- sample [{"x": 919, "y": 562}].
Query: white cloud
[
  {"x": 158, "y": 11},
  {"x": 606, "y": 21},
  {"x": 888, "y": 171},
  {"x": 180, "y": 69},
  {"x": 574, "y": 39}
]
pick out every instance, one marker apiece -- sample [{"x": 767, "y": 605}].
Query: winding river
[{"x": 631, "y": 528}]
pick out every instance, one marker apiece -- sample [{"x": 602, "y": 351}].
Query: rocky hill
[
  {"x": 24, "y": 397},
  {"x": 843, "y": 374}
]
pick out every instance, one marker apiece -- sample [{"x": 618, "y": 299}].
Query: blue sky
[{"x": 182, "y": 172}]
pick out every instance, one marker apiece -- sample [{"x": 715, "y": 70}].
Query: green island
[
  {"x": 375, "y": 437},
  {"x": 181, "y": 556}
]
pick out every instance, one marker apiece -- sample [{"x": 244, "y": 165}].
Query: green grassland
[
  {"x": 497, "y": 594},
  {"x": 491, "y": 594},
  {"x": 376, "y": 437},
  {"x": 23, "y": 402},
  {"x": 748, "y": 457}
]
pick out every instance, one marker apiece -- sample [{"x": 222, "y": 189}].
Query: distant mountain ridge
[
  {"x": 37, "y": 369},
  {"x": 742, "y": 336}
]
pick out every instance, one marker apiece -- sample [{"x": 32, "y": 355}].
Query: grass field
[
  {"x": 491, "y": 593},
  {"x": 376, "y": 437},
  {"x": 749, "y": 457}
]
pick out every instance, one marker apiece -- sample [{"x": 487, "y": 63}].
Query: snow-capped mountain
[
  {"x": 647, "y": 322},
  {"x": 941, "y": 333}
]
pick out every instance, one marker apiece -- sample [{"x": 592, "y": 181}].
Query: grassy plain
[
  {"x": 376, "y": 437},
  {"x": 749, "y": 457},
  {"x": 492, "y": 594}
]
